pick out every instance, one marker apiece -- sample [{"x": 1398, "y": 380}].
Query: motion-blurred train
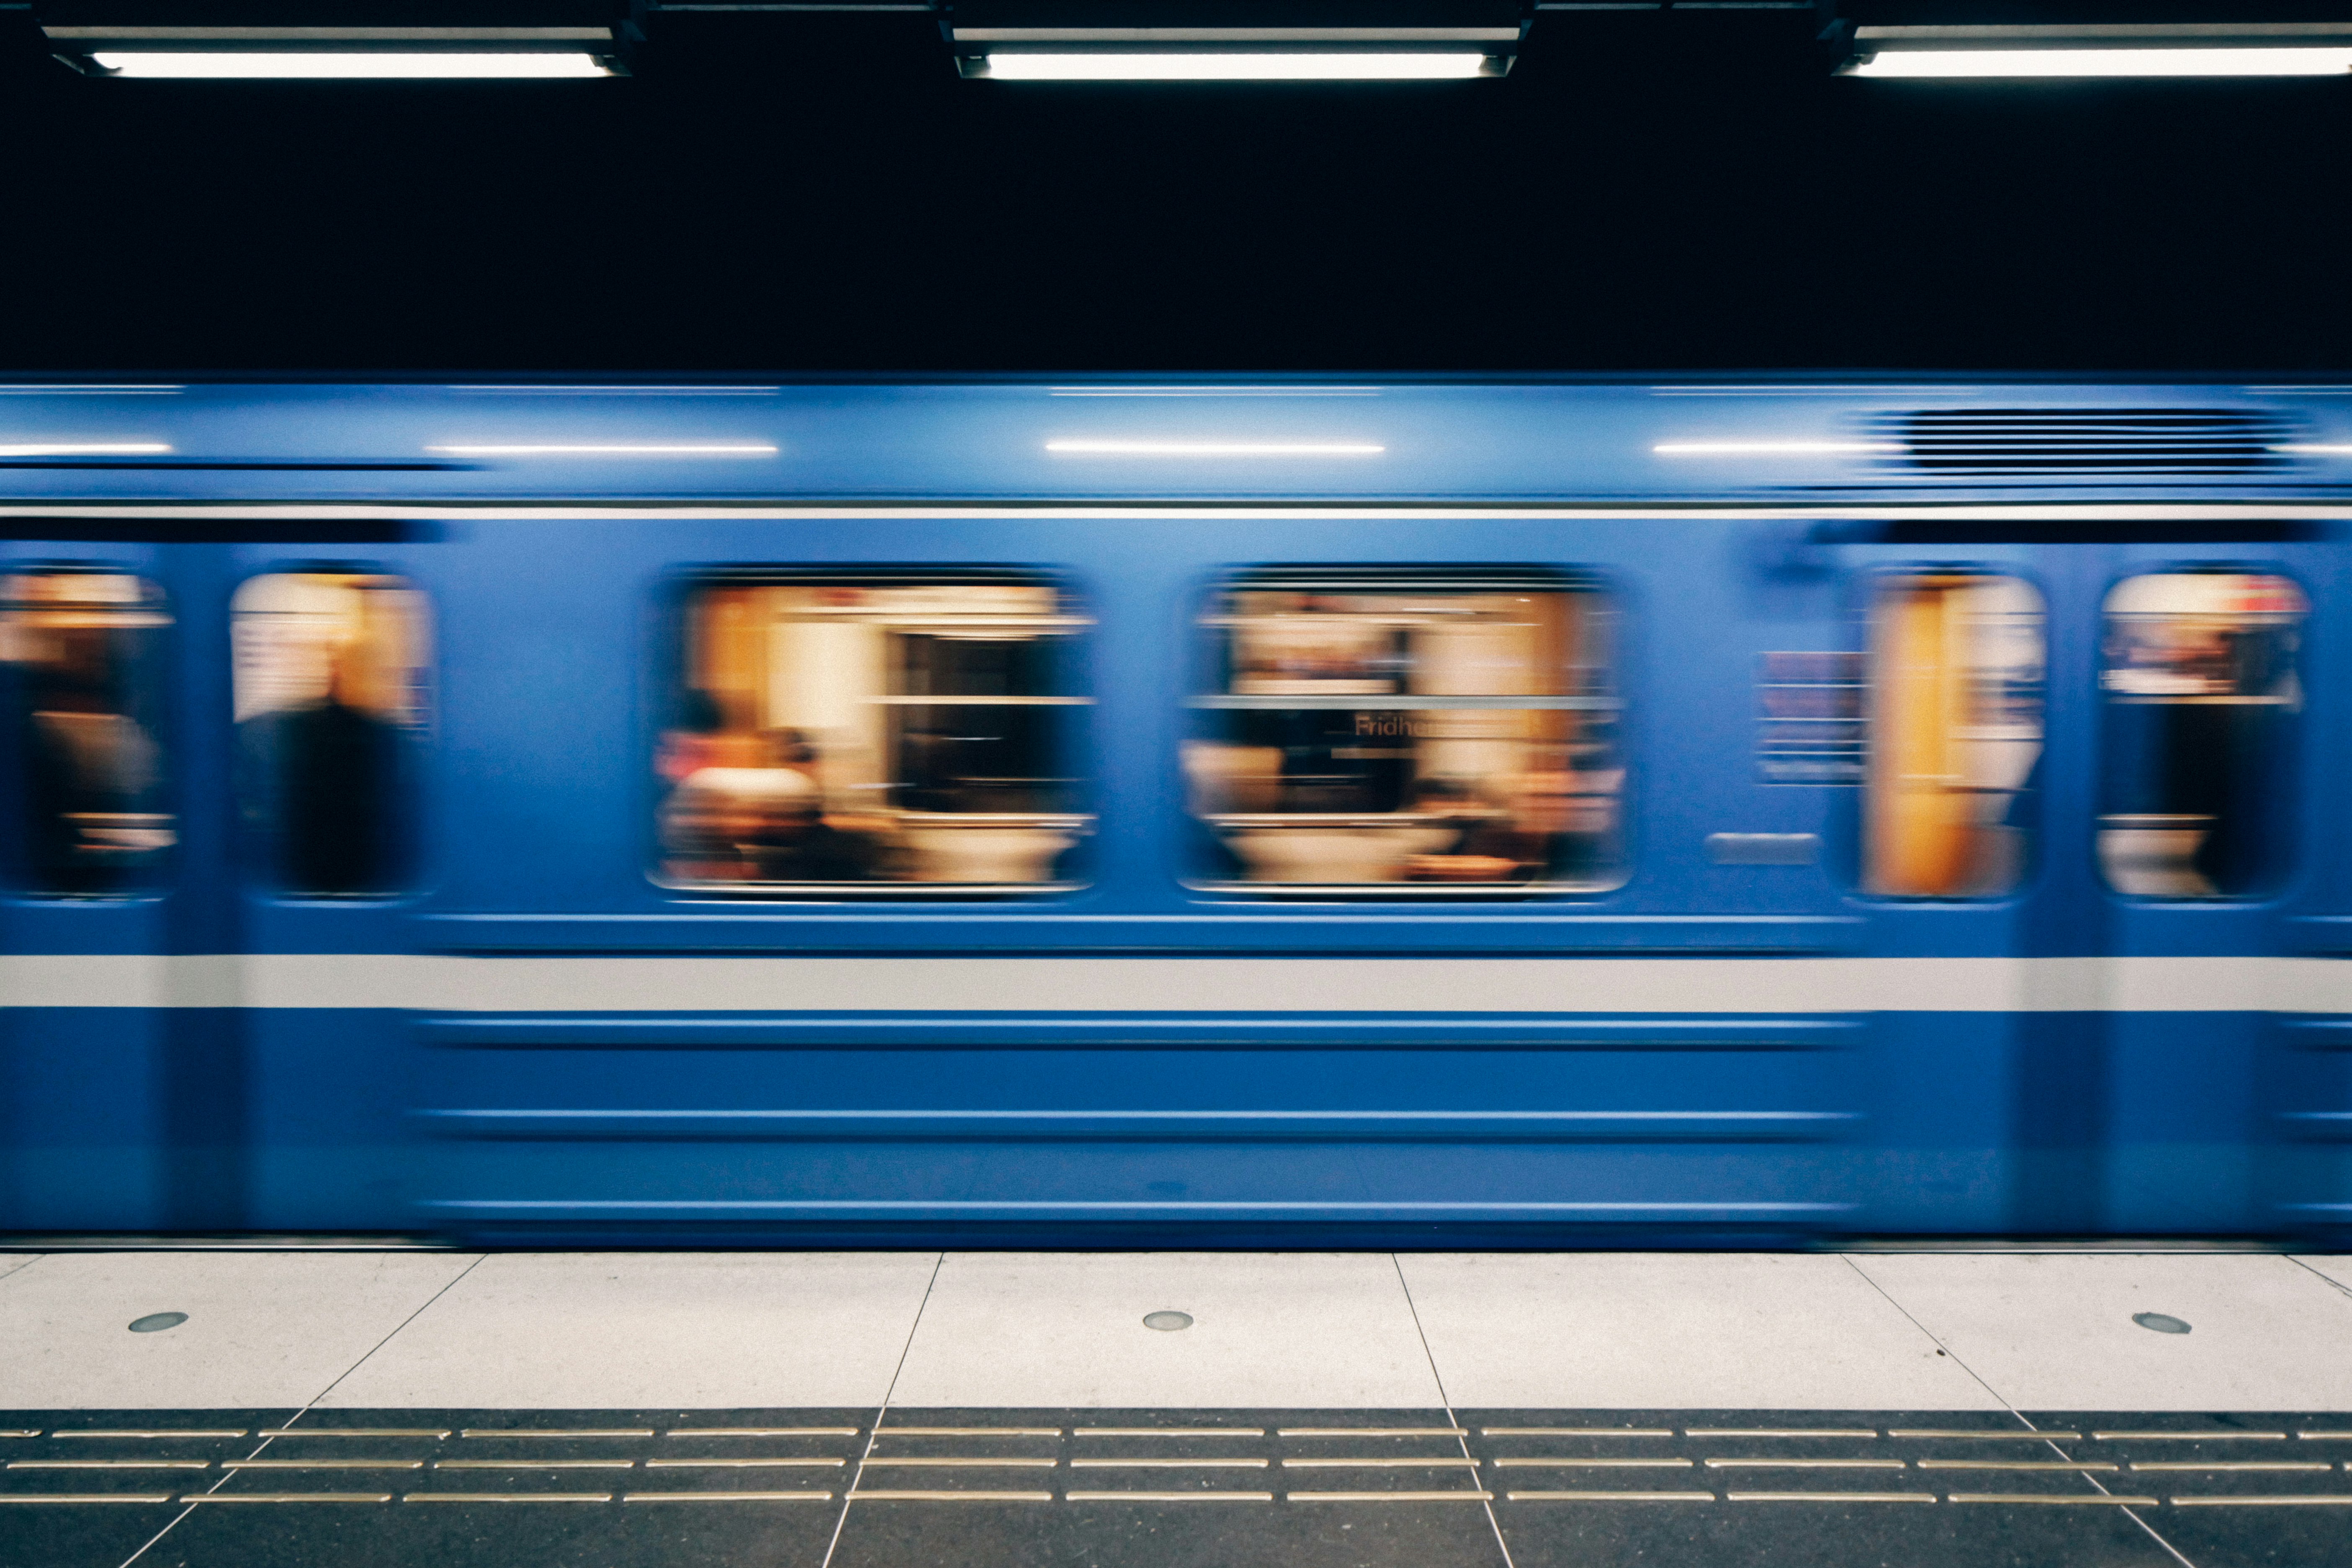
[{"x": 1277, "y": 812}]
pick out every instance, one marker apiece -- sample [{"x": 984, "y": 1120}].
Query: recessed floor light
[
  {"x": 156, "y": 1322},
  {"x": 1168, "y": 1322},
  {"x": 2163, "y": 1324}
]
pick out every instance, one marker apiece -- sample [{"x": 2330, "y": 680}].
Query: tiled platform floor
[{"x": 1356, "y": 1410}]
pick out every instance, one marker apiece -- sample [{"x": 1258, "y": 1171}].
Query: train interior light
[
  {"x": 635, "y": 450},
  {"x": 1216, "y": 448},
  {"x": 83, "y": 449},
  {"x": 1768, "y": 448}
]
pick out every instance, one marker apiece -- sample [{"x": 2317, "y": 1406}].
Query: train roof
[{"x": 1813, "y": 439}]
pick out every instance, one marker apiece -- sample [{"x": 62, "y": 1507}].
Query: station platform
[{"x": 1333, "y": 1410}]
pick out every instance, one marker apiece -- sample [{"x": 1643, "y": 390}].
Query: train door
[
  {"x": 1959, "y": 854},
  {"x": 2204, "y": 716},
  {"x": 108, "y": 1092},
  {"x": 2305, "y": 1101},
  {"x": 329, "y": 716}
]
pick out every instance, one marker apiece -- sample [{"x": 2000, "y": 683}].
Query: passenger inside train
[
  {"x": 2202, "y": 690},
  {"x": 81, "y": 649},
  {"x": 1366, "y": 730},
  {"x": 329, "y": 693},
  {"x": 911, "y": 731}
]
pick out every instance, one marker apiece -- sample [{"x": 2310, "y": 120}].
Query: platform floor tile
[
  {"x": 569, "y": 1330},
  {"x": 1672, "y": 1329},
  {"x": 1268, "y": 1329},
  {"x": 2058, "y": 1332},
  {"x": 262, "y": 1327}
]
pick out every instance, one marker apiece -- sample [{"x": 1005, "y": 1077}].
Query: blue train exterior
[{"x": 538, "y": 1039}]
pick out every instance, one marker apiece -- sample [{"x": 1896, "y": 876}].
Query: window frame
[
  {"x": 667, "y": 671},
  {"x": 254, "y": 870},
  {"x": 2032, "y": 861},
  {"x": 2282, "y": 865},
  {"x": 1377, "y": 576},
  {"x": 16, "y": 857}
]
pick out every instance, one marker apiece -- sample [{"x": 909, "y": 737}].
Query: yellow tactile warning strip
[
  {"x": 288, "y": 1497},
  {"x": 766, "y": 1464},
  {"x": 1831, "y": 1463},
  {"x": 321, "y": 1464},
  {"x": 1610, "y": 1497},
  {"x": 1830, "y": 1496},
  {"x": 1391, "y": 1496},
  {"x": 536, "y": 1433},
  {"x": 727, "y": 1496},
  {"x": 1168, "y": 1496},
  {"x": 1524, "y": 1462}
]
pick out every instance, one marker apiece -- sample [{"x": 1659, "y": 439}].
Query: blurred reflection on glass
[
  {"x": 2201, "y": 689},
  {"x": 329, "y": 698},
  {"x": 1428, "y": 732},
  {"x": 1955, "y": 733},
  {"x": 85, "y": 652},
  {"x": 917, "y": 732}
]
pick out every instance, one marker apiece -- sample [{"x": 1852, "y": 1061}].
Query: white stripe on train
[{"x": 1048, "y": 984}]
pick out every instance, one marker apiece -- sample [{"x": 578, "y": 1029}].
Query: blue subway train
[{"x": 1555, "y": 811}]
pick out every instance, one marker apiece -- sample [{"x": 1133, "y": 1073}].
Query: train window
[
  {"x": 1429, "y": 732},
  {"x": 329, "y": 684},
  {"x": 918, "y": 732},
  {"x": 84, "y": 651},
  {"x": 2202, "y": 692},
  {"x": 1955, "y": 705}
]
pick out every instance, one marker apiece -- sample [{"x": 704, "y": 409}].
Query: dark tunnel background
[{"x": 830, "y": 197}]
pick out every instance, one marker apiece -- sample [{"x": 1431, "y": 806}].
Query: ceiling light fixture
[
  {"x": 2112, "y": 49},
  {"x": 1235, "y": 65},
  {"x": 218, "y": 64},
  {"x": 1201, "y": 40},
  {"x": 347, "y": 53}
]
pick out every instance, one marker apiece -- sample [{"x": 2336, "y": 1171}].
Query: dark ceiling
[{"x": 1651, "y": 194}]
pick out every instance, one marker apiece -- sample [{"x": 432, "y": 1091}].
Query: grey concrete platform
[{"x": 1361, "y": 1409}]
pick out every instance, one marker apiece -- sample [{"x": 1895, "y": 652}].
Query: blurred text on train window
[
  {"x": 1954, "y": 734},
  {"x": 85, "y": 654},
  {"x": 913, "y": 732},
  {"x": 2199, "y": 671},
  {"x": 1425, "y": 732},
  {"x": 330, "y": 694}
]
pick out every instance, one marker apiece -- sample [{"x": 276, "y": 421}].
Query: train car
[{"x": 1415, "y": 812}]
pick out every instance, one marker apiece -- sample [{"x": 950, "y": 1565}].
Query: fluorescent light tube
[
  {"x": 2317, "y": 449},
  {"x": 85, "y": 449},
  {"x": 297, "y": 63},
  {"x": 708, "y": 450},
  {"x": 1216, "y": 448},
  {"x": 1767, "y": 448},
  {"x": 1235, "y": 65},
  {"x": 2306, "y": 62}
]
